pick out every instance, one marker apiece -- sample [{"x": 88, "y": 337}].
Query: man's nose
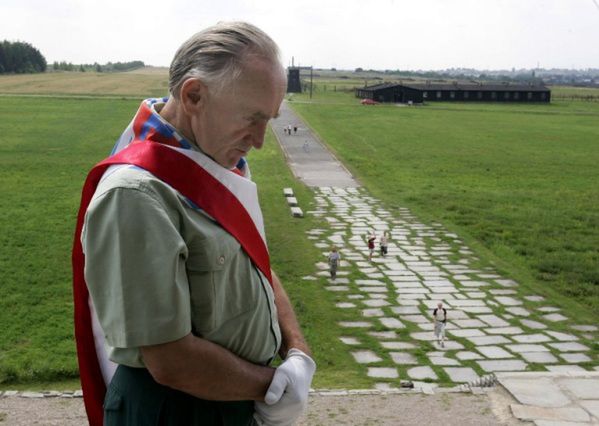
[{"x": 258, "y": 134}]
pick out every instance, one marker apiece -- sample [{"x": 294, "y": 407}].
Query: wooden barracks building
[{"x": 447, "y": 92}]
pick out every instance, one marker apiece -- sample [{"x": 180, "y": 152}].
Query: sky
[{"x": 342, "y": 34}]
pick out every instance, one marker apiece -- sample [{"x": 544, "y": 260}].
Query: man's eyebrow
[{"x": 262, "y": 116}]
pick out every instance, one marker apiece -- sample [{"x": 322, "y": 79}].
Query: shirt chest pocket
[{"x": 217, "y": 271}]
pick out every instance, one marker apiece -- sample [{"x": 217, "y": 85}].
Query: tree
[{"x": 20, "y": 57}]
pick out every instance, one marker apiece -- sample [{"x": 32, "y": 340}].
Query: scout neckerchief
[{"x": 153, "y": 145}]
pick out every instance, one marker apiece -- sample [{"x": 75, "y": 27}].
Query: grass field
[
  {"x": 520, "y": 182},
  {"x": 142, "y": 83},
  {"x": 46, "y": 148}
]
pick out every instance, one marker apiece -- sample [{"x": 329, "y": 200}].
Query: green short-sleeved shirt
[{"x": 158, "y": 269}]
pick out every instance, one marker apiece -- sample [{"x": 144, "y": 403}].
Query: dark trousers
[{"x": 134, "y": 398}]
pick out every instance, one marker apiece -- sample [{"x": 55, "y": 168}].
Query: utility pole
[{"x": 311, "y": 69}]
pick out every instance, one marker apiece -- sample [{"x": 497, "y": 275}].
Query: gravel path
[{"x": 460, "y": 409}]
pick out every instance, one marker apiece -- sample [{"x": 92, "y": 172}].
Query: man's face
[{"x": 234, "y": 121}]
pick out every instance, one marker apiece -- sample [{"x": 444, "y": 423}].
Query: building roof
[
  {"x": 379, "y": 86},
  {"x": 463, "y": 86}
]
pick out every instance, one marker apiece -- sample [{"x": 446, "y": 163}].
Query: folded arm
[{"x": 206, "y": 370}]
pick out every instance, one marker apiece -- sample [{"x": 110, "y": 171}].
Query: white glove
[{"x": 287, "y": 395}]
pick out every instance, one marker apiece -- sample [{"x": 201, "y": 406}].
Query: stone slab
[
  {"x": 406, "y": 310},
  {"x": 398, "y": 345},
  {"x": 494, "y": 320},
  {"x": 467, "y": 356},
  {"x": 372, "y": 312},
  {"x": 451, "y": 345},
  {"x": 423, "y": 336},
  {"x": 507, "y": 283},
  {"x": 355, "y": 324},
  {"x": 533, "y": 324},
  {"x": 345, "y": 305},
  {"x": 373, "y": 303},
  {"x": 467, "y": 332},
  {"x": 502, "y": 365},
  {"x": 337, "y": 288},
  {"x": 530, "y": 413},
  {"x": 494, "y": 352},
  {"x": 383, "y": 372},
  {"x": 366, "y": 357},
  {"x": 531, "y": 338},
  {"x": 565, "y": 369},
  {"x": 488, "y": 340},
  {"x": 391, "y": 323},
  {"x": 527, "y": 348},
  {"x": 569, "y": 346},
  {"x": 555, "y": 317},
  {"x": 383, "y": 334},
  {"x": 562, "y": 337},
  {"x": 582, "y": 388},
  {"x": 539, "y": 357},
  {"x": 461, "y": 374},
  {"x": 350, "y": 340},
  {"x": 504, "y": 330},
  {"x": 518, "y": 311},
  {"x": 585, "y": 327},
  {"x": 508, "y": 301},
  {"x": 469, "y": 323},
  {"x": 591, "y": 406},
  {"x": 548, "y": 309},
  {"x": 575, "y": 357},
  {"x": 477, "y": 309},
  {"x": 403, "y": 358},
  {"x": 422, "y": 373},
  {"x": 443, "y": 360},
  {"x": 419, "y": 319}
]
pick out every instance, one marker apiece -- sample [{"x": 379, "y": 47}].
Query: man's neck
[{"x": 173, "y": 114}]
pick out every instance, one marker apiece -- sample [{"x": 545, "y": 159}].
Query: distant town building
[{"x": 447, "y": 92}]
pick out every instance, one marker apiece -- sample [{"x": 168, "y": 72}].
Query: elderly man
[{"x": 177, "y": 312}]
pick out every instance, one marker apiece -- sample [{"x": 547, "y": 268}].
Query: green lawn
[
  {"x": 518, "y": 182},
  {"x": 47, "y": 145}
]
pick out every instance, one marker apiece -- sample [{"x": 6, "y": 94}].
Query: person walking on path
[
  {"x": 440, "y": 321},
  {"x": 334, "y": 259},
  {"x": 295, "y": 129},
  {"x": 371, "y": 240},
  {"x": 178, "y": 314},
  {"x": 383, "y": 243}
]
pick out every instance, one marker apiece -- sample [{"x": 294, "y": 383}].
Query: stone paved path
[
  {"x": 495, "y": 326},
  {"x": 309, "y": 160}
]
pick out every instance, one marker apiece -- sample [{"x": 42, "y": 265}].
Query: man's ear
[{"x": 193, "y": 95}]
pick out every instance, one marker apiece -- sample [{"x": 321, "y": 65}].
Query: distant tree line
[
  {"x": 108, "y": 67},
  {"x": 20, "y": 58}
]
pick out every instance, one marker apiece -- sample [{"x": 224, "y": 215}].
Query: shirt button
[{"x": 221, "y": 260}]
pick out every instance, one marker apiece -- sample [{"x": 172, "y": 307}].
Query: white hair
[{"x": 216, "y": 55}]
